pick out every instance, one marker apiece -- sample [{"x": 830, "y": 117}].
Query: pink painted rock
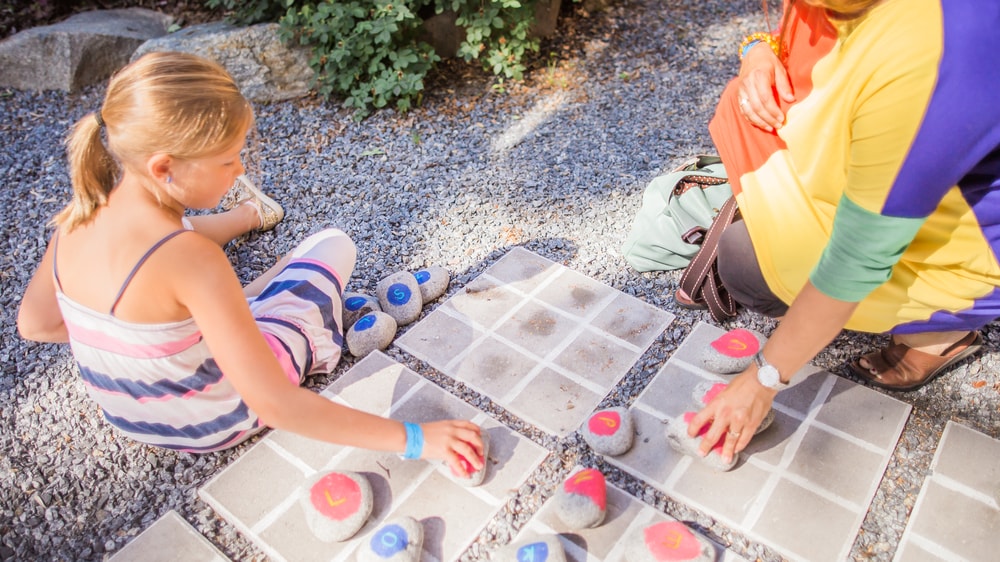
[
  {"x": 679, "y": 440},
  {"x": 732, "y": 352},
  {"x": 610, "y": 431},
  {"x": 668, "y": 541},
  {"x": 398, "y": 540},
  {"x": 475, "y": 478},
  {"x": 543, "y": 548},
  {"x": 581, "y": 502},
  {"x": 705, "y": 391},
  {"x": 337, "y": 504}
]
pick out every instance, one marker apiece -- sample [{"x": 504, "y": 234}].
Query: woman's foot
[
  {"x": 244, "y": 192},
  {"x": 899, "y": 366}
]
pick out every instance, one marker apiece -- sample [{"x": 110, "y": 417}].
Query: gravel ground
[{"x": 556, "y": 165}]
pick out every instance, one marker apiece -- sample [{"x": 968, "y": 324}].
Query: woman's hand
[
  {"x": 763, "y": 79},
  {"x": 454, "y": 441},
  {"x": 734, "y": 414}
]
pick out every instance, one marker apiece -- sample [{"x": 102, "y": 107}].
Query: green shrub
[{"x": 372, "y": 52}]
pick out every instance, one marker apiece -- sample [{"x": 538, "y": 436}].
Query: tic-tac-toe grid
[
  {"x": 605, "y": 542},
  {"x": 258, "y": 493},
  {"x": 818, "y": 465},
  {"x": 543, "y": 341},
  {"x": 956, "y": 516}
]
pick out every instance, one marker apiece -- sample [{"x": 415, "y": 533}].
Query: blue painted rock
[
  {"x": 357, "y": 305},
  {"x": 433, "y": 282},
  {"x": 475, "y": 478},
  {"x": 399, "y": 297},
  {"x": 397, "y": 540},
  {"x": 705, "y": 391},
  {"x": 677, "y": 437},
  {"x": 668, "y": 540},
  {"x": 732, "y": 352},
  {"x": 337, "y": 504},
  {"x": 609, "y": 432},
  {"x": 543, "y": 548},
  {"x": 581, "y": 501},
  {"x": 372, "y": 331}
]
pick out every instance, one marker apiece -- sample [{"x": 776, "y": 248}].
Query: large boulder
[
  {"x": 82, "y": 50},
  {"x": 264, "y": 67}
]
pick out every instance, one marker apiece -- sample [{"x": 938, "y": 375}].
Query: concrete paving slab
[
  {"x": 956, "y": 515},
  {"x": 625, "y": 514},
  {"x": 169, "y": 539},
  {"x": 826, "y": 452},
  {"x": 541, "y": 340},
  {"x": 258, "y": 492}
]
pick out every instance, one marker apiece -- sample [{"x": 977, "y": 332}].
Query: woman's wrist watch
[{"x": 767, "y": 375}]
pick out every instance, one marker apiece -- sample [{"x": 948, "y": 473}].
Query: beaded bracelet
[{"x": 760, "y": 37}]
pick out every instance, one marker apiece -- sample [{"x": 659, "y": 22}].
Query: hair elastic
[
  {"x": 414, "y": 441},
  {"x": 99, "y": 118}
]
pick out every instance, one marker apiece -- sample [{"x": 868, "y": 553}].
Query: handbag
[{"x": 677, "y": 209}]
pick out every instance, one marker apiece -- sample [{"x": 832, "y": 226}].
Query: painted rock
[
  {"x": 372, "y": 331},
  {"x": 581, "y": 502},
  {"x": 397, "y": 540},
  {"x": 357, "y": 305},
  {"x": 668, "y": 540},
  {"x": 543, "y": 548},
  {"x": 705, "y": 391},
  {"x": 399, "y": 297},
  {"x": 732, "y": 352},
  {"x": 609, "y": 432},
  {"x": 433, "y": 282},
  {"x": 337, "y": 504},
  {"x": 677, "y": 437},
  {"x": 475, "y": 478}
]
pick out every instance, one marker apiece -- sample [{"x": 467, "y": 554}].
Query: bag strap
[{"x": 700, "y": 281}]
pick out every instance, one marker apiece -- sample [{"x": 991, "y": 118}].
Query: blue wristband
[
  {"x": 414, "y": 441},
  {"x": 747, "y": 47}
]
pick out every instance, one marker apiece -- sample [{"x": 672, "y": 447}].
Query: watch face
[{"x": 768, "y": 376}]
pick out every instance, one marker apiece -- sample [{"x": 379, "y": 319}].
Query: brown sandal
[{"x": 900, "y": 367}]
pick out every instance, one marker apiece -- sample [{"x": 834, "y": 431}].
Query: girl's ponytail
[{"x": 93, "y": 172}]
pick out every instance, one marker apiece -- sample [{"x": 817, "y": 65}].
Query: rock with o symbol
[
  {"x": 706, "y": 391},
  {"x": 372, "y": 331},
  {"x": 357, "y": 305},
  {"x": 610, "y": 431},
  {"x": 433, "y": 282},
  {"x": 542, "y": 548},
  {"x": 582, "y": 500},
  {"x": 399, "y": 297},
  {"x": 732, "y": 352},
  {"x": 337, "y": 504},
  {"x": 668, "y": 540},
  {"x": 677, "y": 437},
  {"x": 397, "y": 540},
  {"x": 475, "y": 477}
]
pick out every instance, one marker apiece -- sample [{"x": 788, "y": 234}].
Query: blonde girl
[{"x": 168, "y": 343}]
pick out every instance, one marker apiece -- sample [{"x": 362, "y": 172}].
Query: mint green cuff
[{"x": 862, "y": 251}]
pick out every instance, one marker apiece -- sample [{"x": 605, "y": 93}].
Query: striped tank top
[{"x": 157, "y": 383}]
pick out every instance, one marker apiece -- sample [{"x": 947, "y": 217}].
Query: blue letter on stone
[
  {"x": 534, "y": 552},
  {"x": 389, "y": 540},
  {"x": 398, "y": 294}
]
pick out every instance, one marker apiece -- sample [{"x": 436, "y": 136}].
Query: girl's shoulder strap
[{"x": 138, "y": 264}]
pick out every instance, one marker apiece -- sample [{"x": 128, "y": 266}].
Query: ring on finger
[
  {"x": 743, "y": 102},
  {"x": 733, "y": 434}
]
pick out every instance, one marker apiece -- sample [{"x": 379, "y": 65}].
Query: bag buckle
[{"x": 694, "y": 236}]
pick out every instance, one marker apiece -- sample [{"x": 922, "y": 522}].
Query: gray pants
[{"x": 740, "y": 273}]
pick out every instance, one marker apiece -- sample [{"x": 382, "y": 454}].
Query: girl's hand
[
  {"x": 734, "y": 414},
  {"x": 452, "y": 441},
  {"x": 762, "y": 80}
]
